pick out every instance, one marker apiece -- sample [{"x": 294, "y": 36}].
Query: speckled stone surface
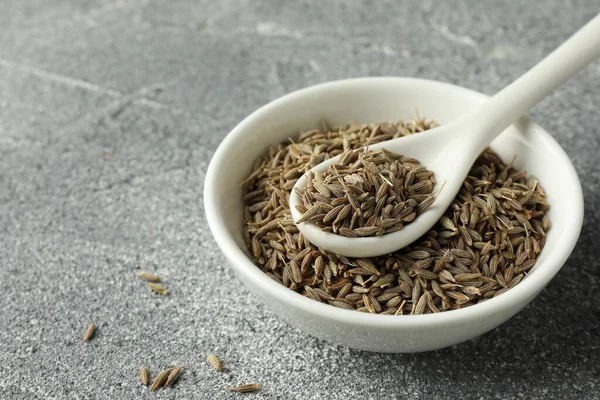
[{"x": 109, "y": 113}]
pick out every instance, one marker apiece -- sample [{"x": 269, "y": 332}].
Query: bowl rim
[{"x": 256, "y": 278}]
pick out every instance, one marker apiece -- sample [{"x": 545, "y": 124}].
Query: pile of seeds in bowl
[
  {"x": 367, "y": 193},
  {"x": 484, "y": 245}
]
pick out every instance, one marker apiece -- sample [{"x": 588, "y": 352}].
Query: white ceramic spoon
[{"x": 450, "y": 150}]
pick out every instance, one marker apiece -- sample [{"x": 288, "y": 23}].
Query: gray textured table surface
[{"x": 109, "y": 114}]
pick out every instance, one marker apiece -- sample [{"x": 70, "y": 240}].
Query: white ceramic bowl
[{"x": 368, "y": 100}]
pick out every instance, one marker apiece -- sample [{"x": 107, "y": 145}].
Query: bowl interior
[{"x": 370, "y": 100}]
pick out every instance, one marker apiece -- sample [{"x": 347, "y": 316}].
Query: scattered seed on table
[
  {"x": 144, "y": 375},
  {"x": 148, "y": 277},
  {"x": 173, "y": 375},
  {"x": 250, "y": 387},
  {"x": 161, "y": 379},
  {"x": 160, "y": 289},
  {"x": 89, "y": 332},
  {"x": 215, "y": 361}
]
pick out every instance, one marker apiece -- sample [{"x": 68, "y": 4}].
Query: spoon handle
[{"x": 516, "y": 99}]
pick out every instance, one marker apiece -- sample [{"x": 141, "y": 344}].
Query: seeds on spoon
[{"x": 383, "y": 190}]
